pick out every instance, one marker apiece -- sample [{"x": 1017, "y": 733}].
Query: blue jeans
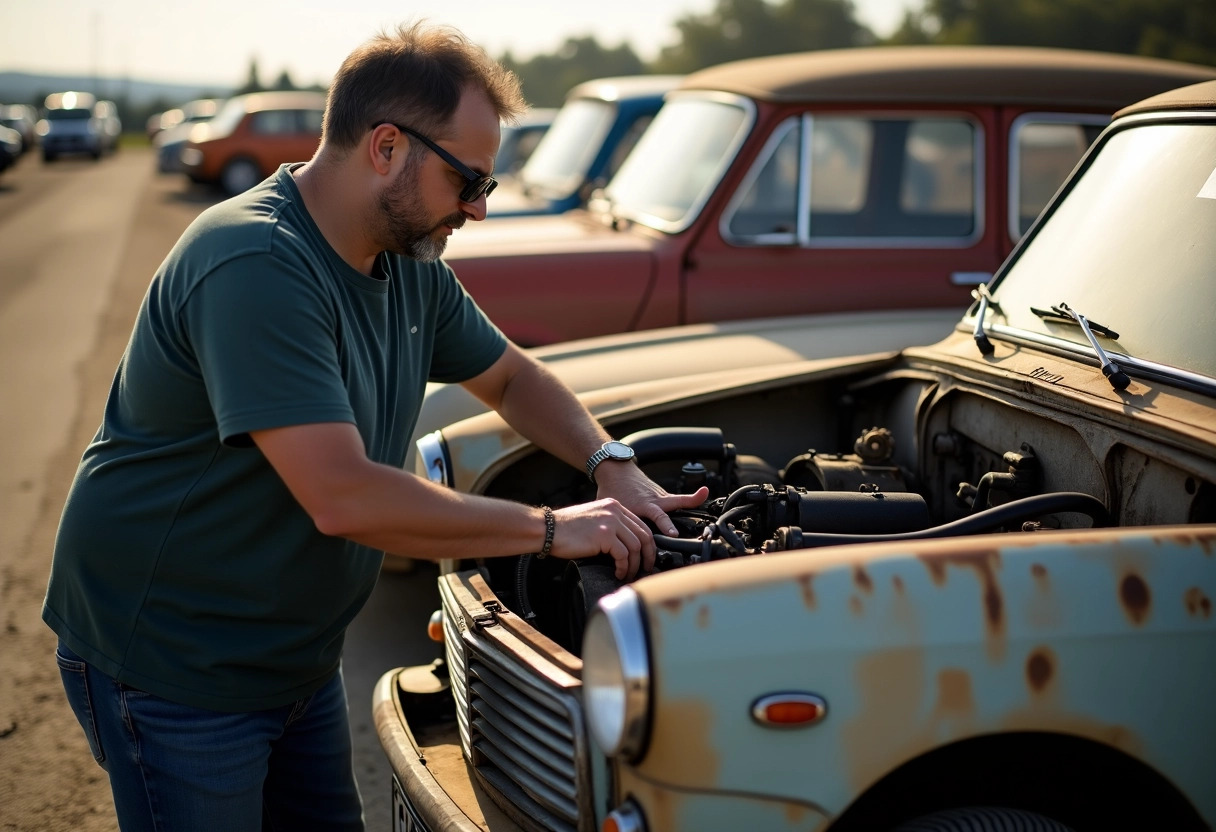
[{"x": 175, "y": 768}]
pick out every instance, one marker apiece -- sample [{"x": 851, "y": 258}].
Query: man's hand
[
  {"x": 604, "y": 527},
  {"x": 626, "y": 483}
]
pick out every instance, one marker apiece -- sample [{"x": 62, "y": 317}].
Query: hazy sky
[{"x": 212, "y": 41}]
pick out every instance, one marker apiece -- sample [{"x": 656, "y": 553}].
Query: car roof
[
  {"x": 951, "y": 74},
  {"x": 1201, "y": 96},
  {"x": 282, "y": 100},
  {"x": 625, "y": 86}
]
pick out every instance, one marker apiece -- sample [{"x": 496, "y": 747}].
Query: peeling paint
[
  {"x": 1197, "y": 603},
  {"x": 682, "y": 731},
  {"x": 890, "y": 684},
  {"x": 985, "y": 565},
  {"x": 807, "y": 582},
  {"x": 954, "y": 692},
  {"x": 1135, "y": 598},
  {"x": 1040, "y": 669}
]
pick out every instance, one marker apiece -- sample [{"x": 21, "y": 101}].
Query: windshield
[
  {"x": 559, "y": 165},
  {"x": 678, "y": 161},
  {"x": 1131, "y": 246},
  {"x": 226, "y": 119}
]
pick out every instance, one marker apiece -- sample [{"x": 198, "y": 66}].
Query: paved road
[{"x": 79, "y": 241}]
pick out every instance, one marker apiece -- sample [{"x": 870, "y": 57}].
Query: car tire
[
  {"x": 983, "y": 819},
  {"x": 239, "y": 175}
]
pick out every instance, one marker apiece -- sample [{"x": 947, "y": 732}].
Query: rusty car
[
  {"x": 830, "y": 181},
  {"x": 960, "y": 586}
]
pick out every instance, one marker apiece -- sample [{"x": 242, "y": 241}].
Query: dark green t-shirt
[{"x": 183, "y": 566}]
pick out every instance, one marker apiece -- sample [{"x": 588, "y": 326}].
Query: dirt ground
[{"x": 48, "y": 780}]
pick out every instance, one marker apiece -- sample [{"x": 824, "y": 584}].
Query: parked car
[
  {"x": 106, "y": 112},
  {"x": 821, "y": 182},
  {"x": 519, "y": 140},
  {"x": 251, "y": 136},
  {"x": 596, "y": 127},
  {"x": 171, "y": 138},
  {"x": 10, "y": 147},
  {"x": 955, "y": 587},
  {"x": 22, "y": 118},
  {"x": 75, "y": 123}
]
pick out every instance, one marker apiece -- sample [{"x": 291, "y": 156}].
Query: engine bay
[{"x": 911, "y": 456}]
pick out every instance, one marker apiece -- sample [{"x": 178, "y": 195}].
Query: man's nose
[{"x": 475, "y": 210}]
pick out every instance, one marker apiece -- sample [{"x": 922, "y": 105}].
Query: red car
[
  {"x": 859, "y": 179},
  {"x": 251, "y": 136}
]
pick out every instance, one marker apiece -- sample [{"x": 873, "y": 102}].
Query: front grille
[{"x": 519, "y": 715}]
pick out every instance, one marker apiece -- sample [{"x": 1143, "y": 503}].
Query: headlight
[
  {"x": 616, "y": 675},
  {"x": 191, "y": 157}
]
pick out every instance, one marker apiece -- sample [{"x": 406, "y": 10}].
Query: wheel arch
[{"x": 1070, "y": 779}]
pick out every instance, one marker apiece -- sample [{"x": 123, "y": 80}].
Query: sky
[{"x": 213, "y": 41}]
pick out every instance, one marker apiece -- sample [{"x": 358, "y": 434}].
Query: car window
[
  {"x": 678, "y": 161},
  {"x": 875, "y": 180},
  {"x": 1140, "y": 264},
  {"x": 310, "y": 120},
  {"x": 626, "y": 144},
  {"x": 74, "y": 114},
  {"x": 564, "y": 155},
  {"x": 275, "y": 122},
  {"x": 1044, "y": 150}
]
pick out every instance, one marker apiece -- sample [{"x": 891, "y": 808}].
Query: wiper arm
[
  {"x": 1063, "y": 312},
  {"x": 980, "y": 293}
]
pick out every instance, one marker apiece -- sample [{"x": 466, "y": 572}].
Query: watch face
[{"x": 618, "y": 450}]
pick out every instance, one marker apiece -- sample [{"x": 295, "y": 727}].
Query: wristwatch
[{"x": 615, "y": 451}]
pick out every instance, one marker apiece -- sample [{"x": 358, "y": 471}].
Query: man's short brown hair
[{"x": 413, "y": 76}]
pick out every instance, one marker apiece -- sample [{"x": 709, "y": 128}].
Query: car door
[{"x": 853, "y": 211}]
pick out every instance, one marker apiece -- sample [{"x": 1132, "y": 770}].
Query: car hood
[
  {"x": 509, "y": 200},
  {"x": 573, "y": 232},
  {"x": 678, "y": 353}
]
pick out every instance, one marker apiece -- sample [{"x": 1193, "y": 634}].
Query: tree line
[{"x": 1183, "y": 30}]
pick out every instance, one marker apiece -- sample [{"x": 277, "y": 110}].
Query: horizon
[{"x": 144, "y": 40}]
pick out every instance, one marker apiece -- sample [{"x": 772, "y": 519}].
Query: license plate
[{"x": 405, "y": 819}]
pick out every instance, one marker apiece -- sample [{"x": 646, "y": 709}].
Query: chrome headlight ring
[{"x": 616, "y": 675}]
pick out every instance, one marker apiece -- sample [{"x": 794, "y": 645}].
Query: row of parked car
[{"x": 960, "y": 586}]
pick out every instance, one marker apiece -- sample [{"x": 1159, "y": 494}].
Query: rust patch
[
  {"x": 682, "y": 732},
  {"x": 703, "y": 617},
  {"x": 1135, "y": 598},
  {"x": 862, "y": 579},
  {"x": 889, "y": 718},
  {"x": 954, "y": 691},
  {"x": 1040, "y": 669},
  {"x": 807, "y": 583},
  {"x": 898, "y": 583},
  {"x": 1206, "y": 542},
  {"x": 1198, "y": 604},
  {"x": 855, "y": 605},
  {"x": 984, "y": 564},
  {"x": 1040, "y": 573},
  {"x": 672, "y": 605}
]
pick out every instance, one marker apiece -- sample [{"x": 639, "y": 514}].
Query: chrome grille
[{"x": 521, "y": 729}]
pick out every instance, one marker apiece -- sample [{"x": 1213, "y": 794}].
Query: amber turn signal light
[{"x": 434, "y": 627}]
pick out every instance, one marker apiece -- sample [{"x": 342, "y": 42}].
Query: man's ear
[{"x": 385, "y": 140}]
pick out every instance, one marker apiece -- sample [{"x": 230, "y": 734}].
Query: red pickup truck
[{"x": 832, "y": 181}]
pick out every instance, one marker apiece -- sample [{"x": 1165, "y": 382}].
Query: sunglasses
[{"x": 476, "y": 185}]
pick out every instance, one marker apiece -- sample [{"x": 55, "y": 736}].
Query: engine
[{"x": 815, "y": 499}]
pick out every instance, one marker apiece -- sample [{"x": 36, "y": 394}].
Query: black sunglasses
[{"x": 476, "y": 185}]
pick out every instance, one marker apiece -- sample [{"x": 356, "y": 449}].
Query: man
[{"x": 228, "y": 519}]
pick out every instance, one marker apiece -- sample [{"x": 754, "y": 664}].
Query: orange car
[{"x": 251, "y": 136}]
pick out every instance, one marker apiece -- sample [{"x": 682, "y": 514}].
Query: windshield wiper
[
  {"x": 980, "y": 293},
  {"x": 1065, "y": 313}
]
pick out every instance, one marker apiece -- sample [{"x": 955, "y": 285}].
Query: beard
[{"x": 406, "y": 227}]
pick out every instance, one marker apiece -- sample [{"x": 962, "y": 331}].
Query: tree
[
  {"x": 547, "y": 78},
  {"x": 252, "y": 83},
  {"x": 1181, "y": 30},
  {"x": 284, "y": 82},
  {"x": 738, "y": 29}
]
